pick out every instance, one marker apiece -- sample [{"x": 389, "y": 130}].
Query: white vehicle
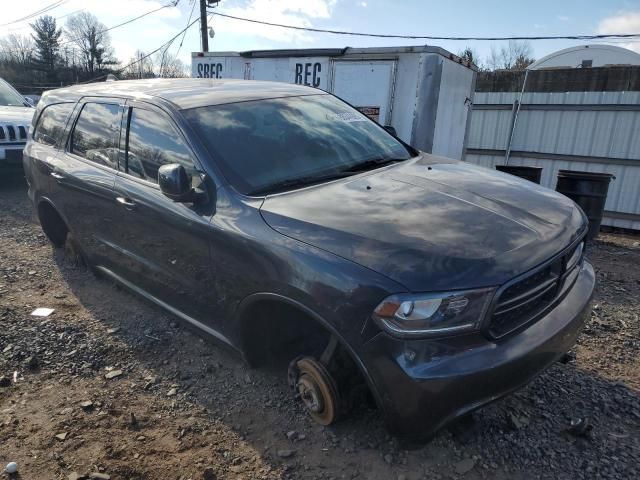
[
  {"x": 424, "y": 93},
  {"x": 16, "y": 113}
]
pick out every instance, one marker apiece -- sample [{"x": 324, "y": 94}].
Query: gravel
[{"x": 138, "y": 395}]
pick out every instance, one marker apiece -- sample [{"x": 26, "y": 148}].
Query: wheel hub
[
  {"x": 310, "y": 394},
  {"x": 313, "y": 383}
]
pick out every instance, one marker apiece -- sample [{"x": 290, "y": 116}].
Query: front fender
[{"x": 251, "y": 300}]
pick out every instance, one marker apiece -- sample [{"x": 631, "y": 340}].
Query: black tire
[{"x": 74, "y": 256}]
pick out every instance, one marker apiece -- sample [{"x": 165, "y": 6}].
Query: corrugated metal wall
[{"x": 587, "y": 131}]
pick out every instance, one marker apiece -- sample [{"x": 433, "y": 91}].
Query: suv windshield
[
  {"x": 9, "y": 97},
  {"x": 272, "y": 145}
]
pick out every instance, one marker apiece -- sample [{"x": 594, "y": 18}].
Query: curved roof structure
[{"x": 582, "y": 56}]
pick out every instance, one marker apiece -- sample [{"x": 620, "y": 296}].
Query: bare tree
[
  {"x": 169, "y": 66},
  {"x": 516, "y": 55},
  {"x": 17, "y": 48},
  {"x": 162, "y": 64},
  {"x": 139, "y": 66},
  {"x": 90, "y": 35},
  {"x": 469, "y": 55}
]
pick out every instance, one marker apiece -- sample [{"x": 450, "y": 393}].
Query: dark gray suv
[{"x": 284, "y": 223}]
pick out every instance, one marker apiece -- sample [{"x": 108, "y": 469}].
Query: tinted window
[
  {"x": 95, "y": 135},
  {"x": 51, "y": 124},
  {"x": 153, "y": 141},
  {"x": 269, "y": 144}
]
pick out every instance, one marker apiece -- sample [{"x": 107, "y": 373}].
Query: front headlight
[{"x": 416, "y": 315}]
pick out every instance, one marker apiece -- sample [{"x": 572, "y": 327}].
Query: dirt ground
[{"x": 180, "y": 407}]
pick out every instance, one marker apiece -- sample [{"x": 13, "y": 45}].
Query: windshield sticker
[
  {"x": 348, "y": 117},
  {"x": 372, "y": 112}
]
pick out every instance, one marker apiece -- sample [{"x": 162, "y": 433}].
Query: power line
[
  {"x": 164, "y": 54},
  {"x": 431, "y": 37},
  {"x": 185, "y": 32},
  {"x": 69, "y": 14},
  {"x": 13, "y": 29},
  {"x": 126, "y": 22},
  {"x": 45, "y": 9},
  {"x": 181, "y": 41},
  {"x": 169, "y": 42}
]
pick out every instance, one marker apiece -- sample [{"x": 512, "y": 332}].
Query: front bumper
[
  {"x": 11, "y": 156},
  {"x": 424, "y": 384}
]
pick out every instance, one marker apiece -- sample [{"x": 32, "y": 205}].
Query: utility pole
[{"x": 203, "y": 25}]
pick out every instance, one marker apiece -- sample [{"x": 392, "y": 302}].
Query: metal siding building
[{"x": 593, "y": 131}]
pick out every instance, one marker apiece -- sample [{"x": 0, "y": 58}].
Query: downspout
[
  {"x": 469, "y": 102},
  {"x": 515, "y": 119}
]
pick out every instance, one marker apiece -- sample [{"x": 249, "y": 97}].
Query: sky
[{"x": 405, "y": 17}]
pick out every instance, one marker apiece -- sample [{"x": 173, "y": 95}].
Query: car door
[
  {"x": 47, "y": 141},
  {"x": 85, "y": 174},
  {"x": 163, "y": 244}
]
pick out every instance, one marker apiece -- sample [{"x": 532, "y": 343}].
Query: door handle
[
  {"x": 57, "y": 175},
  {"x": 126, "y": 202}
]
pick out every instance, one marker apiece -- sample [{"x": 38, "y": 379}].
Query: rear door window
[
  {"x": 96, "y": 133},
  {"x": 50, "y": 126},
  {"x": 153, "y": 141}
]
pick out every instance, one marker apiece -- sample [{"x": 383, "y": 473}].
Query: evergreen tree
[{"x": 47, "y": 40}]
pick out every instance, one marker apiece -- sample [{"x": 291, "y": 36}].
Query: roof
[
  {"x": 338, "y": 52},
  {"x": 601, "y": 55},
  {"x": 184, "y": 92}
]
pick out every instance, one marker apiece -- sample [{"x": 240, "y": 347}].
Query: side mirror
[
  {"x": 30, "y": 101},
  {"x": 175, "y": 183},
  {"x": 391, "y": 130}
]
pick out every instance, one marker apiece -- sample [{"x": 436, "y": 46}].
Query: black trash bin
[
  {"x": 589, "y": 190},
  {"x": 532, "y": 174}
]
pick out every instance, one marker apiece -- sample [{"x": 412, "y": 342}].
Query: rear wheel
[
  {"x": 59, "y": 235},
  {"x": 73, "y": 252},
  {"x": 52, "y": 224}
]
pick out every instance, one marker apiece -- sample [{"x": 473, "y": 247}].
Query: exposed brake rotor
[{"x": 313, "y": 383}]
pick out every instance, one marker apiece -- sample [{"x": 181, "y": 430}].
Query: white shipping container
[{"x": 423, "y": 92}]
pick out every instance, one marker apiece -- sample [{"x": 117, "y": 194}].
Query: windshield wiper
[
  {"x": 291, "y": 183},
  {"x": 371, "y": 164}
]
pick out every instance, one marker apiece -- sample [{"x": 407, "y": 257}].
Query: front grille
[
  {"x": 523, "y": 302},
  {"x": 13, "y": 133}
]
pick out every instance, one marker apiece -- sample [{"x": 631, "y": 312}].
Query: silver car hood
[{"x": 16, "y": 115}]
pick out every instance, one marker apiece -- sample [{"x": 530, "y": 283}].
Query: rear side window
[
  {"x": 51, "y": 123},
  {"x": 153, "y": 141},
  {"x": 95, "y": 136}
]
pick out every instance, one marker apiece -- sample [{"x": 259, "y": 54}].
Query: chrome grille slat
[
  {"x": 523, "y": 301},
  {"x": 13, "y": 133},
  {"x": 552, "y": 283}
]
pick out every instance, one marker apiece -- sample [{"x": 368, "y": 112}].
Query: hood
[
  {"x": 431, "y": 223},
  {"x": 16, "y": 115}
]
